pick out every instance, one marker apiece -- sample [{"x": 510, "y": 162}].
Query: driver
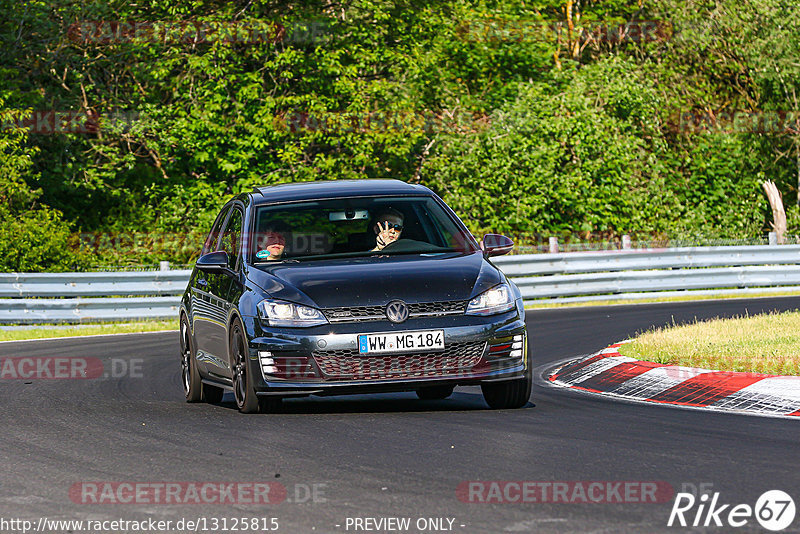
[
  {"x": 272, "y": 243},
  {"x": 388, "y": 226}
]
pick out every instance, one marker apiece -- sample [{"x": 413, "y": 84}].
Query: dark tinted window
[
  {"x": 232, "y": 237},
  {"x": 346, "y": 227},
  {"x": 211, "y": 240}
]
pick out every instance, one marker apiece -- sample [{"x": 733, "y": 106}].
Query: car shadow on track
[{"x": 377, "y": 403}]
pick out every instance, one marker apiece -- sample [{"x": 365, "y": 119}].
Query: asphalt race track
[{"x": 382, "y": 456}]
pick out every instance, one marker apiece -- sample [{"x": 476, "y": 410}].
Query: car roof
[{"x": 334, "y": 189}]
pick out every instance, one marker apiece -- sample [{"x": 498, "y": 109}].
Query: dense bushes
[
  {"x": 589, "y": 155},
  {"x": 32, "y": 237},
  {"x": 528, "y": 118}
]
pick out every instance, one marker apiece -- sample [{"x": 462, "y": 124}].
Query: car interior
[
  {"x": 346, "y": 227},
  {"x": 327, "y": 232}
]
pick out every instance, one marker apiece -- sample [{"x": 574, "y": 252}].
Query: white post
[
  {"x": 626, "y": 242},
  {"x": 553, "y": 245},
  {"x": 773, "y": 239},
  {"x": 163, "y": 266}
]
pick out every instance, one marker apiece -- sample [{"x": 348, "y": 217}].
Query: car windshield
[{"x": 352, "y": 227}]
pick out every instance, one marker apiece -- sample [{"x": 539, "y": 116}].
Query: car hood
[{"x": 372, "y": 281}]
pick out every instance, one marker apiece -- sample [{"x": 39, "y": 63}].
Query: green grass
[
  {"x": 48, "y": 331},
  {"x": 532, "y": 305},
  {"x": 768, "y": 343}
]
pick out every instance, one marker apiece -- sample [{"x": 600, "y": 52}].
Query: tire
[
  {"x": 511, "y": 394},
  {"x": 190, "y": 376},
  {"x": 243, "y": 390},
  {"x": 435, "y": 392}
]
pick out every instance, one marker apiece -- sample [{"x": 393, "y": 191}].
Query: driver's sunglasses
[{"x": 388, "y": 225}]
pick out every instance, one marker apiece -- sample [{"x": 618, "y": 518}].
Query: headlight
[
  {"x": 282, "y": 313},
  {"x": 496, "y": 300}
]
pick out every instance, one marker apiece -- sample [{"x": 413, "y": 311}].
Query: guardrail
[
  {"x": 28, "y": 298},
  {"x": 90, "y": 297},
  {"x": 647, "y": 273}
]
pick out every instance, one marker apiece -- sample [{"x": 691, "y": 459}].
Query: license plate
[{"x": 401, "y": 342}]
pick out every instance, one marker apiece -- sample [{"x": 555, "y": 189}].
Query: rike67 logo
[{"x": 774, "y": 510}]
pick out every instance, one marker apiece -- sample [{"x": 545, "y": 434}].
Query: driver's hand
[{"x": 385, "y": 236}]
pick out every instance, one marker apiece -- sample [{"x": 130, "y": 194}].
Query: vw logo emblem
[{"x": 397, "y": 311}]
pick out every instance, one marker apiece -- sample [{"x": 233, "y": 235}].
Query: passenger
[
  {"x": 272, "y": 243},
  {"x": 388, "y": 226}
]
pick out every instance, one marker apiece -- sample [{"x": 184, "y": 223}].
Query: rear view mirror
[
  {"x": 348, "y": 215},
  {"x": 496, "y": 245}
]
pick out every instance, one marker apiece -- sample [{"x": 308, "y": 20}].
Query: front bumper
[{"x": 325, "y": 360}]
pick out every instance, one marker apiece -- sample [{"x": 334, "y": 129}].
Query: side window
[
  {"x": 232, "y": 237},
  {"x": 211, "y": 241}
]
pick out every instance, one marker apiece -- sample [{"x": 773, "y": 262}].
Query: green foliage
[
  {"x": 583, "y": 155},
  {"x": 36, "y": 240},
  {"x": 721, "y": 188},
  {"x": 529, "y": 118},
  {"x": 32, "y": 237}
]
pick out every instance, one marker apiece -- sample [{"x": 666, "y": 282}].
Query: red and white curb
[{"x": 610, "y": 373}]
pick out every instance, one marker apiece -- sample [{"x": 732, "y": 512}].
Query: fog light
[
  {"x": 516, "y": 353},
  {"x": 518, "y": 337},
  {"x": 269, "y": 369},
  {"x": 517, "y": 345}
]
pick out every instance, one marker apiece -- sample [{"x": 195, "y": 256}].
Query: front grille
[
  {"x": 355, "y": 313},
  {"x": 378, "y": 313},
  {"x": 456, "y": 359},
  {"x": 437, "y": 308}
]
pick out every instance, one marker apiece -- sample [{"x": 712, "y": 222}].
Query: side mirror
[
  {"x": 214, "y": 262},
  {"x": 496, "y": 245}
]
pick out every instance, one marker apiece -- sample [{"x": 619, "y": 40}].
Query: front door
[
  {"x": 221, "y": 287},
  {"x": 206, "y": 308}
]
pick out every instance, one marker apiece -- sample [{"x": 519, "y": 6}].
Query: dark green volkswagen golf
[{"x": 347, "y": 287}]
